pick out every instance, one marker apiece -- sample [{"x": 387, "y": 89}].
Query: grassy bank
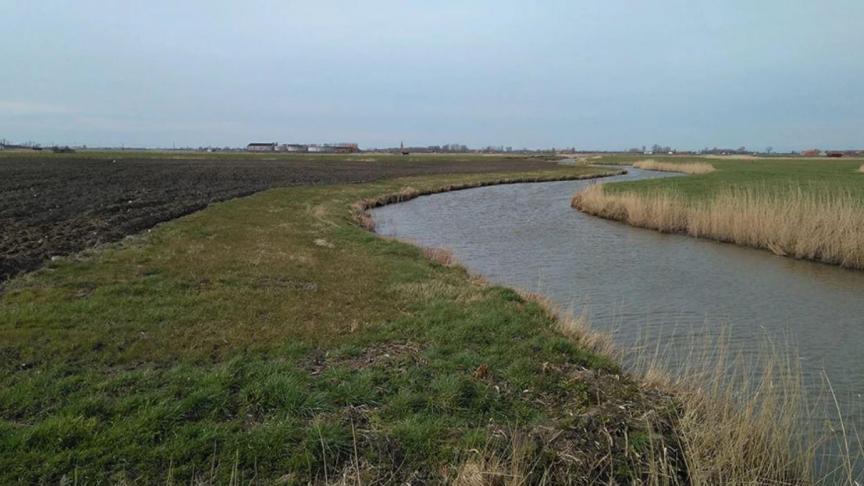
[
  {"x": 271, "y": 338},
  {"x": 806, "y": 209}
]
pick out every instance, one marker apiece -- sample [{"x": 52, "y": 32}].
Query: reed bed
[
  {"x": 687, "y": 168},
  {"x": 822, "y": 226},
  {"x": 739, "y": 418},
  {"x": 736, "y": 420}
]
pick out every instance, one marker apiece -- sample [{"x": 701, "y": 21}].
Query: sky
[{"x": 598, "y": 74}]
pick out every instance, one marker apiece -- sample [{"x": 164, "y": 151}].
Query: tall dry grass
[
  {"x": 861, "y": 169},
  {"x": 687, "y": 168},
  {"x": 820, "y": 226},
  {"x": 576, "y": 328},
  {"x": 492, "y": 466},
  {"x": 737, "y": 420}
]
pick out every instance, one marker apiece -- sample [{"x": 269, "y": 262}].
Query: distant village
[
  {"x": 327, "y": 148},
  {"x": 455, "y": 148}
]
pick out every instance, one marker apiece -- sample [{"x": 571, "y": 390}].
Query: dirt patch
[
  {"x": 59, "y": 205},
  {"x": 384, "y": 354}
]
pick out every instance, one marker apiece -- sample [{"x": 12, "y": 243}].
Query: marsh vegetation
[
  {"x": 811, "y": 212},
  {"x": 687, "y": 167}
]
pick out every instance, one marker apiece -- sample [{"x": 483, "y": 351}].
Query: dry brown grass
[
  {"x": 575, "y": 327},
  {"x": 861, "y": 169},
  {"x": 441, "y": 256},
  {"x": 737, "y": 420},
  {"x": 825, "y": 227},
  {"x": 510, "y": 467},
  {"x": 687, "y": 168}
]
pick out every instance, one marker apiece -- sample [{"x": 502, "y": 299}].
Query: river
[{"x": 644, "y": 286}]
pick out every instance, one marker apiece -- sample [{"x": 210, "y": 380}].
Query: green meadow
[{"x": 768, "y": 175}]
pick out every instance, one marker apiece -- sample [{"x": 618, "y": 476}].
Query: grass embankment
[
  {"x": 805, "y": 209},
  {"x": 271, "y": 338}
]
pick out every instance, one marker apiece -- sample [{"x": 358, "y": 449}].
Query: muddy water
[{"x": 639, "y": 284}]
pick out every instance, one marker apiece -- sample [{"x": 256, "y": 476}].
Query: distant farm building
[
  {"x": 331, "y": 148},
  {"x": 261, "y": 147},
  {"x": 335, "y": 148},
  {"x": 810, "y": 153},
  {"x": 834, "y": 154},
  {"x": 293, "y": 147}
]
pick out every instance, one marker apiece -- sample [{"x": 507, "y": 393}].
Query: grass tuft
[
  {"x": 739, "y": 420},
  {"x": 441, "y": 256},
  {"x": 575, "y": 328}
]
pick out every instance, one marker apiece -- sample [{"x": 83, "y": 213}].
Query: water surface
[{"x": 637, "y": 283}]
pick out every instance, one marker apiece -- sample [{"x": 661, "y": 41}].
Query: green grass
[
  {"x": 229, "y": 345},
  {"x": 769, "y": 175}
]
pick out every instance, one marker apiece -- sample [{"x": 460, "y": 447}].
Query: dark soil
[{"x": 58, "y": 205}]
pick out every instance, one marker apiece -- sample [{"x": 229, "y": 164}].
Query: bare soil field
[{"x": 54, "y": 205}]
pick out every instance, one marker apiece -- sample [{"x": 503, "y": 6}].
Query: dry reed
[
  {"x": 441, "y": 256},
  {"x": 687, "y": 168},
  {"x": 861, "y": 169},
  {"x": 819, "y": 226},
  {"x": 576, "y": 328},
  {"x": 491, "y": 466},
  {"x": 737, "y": 421}
]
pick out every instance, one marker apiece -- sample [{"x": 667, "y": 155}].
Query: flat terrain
[
  {"x": 765, "y": 175},
  {"x": 272, "y": 339},
  {"x": 56, "y": 204}
]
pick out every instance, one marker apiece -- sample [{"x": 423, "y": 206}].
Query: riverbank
[
  {"x": 271, "y": 338},
  {"x": 802, "y": 209}
]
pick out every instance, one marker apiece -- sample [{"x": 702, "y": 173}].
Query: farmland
[{"x": 53, "y": 205}]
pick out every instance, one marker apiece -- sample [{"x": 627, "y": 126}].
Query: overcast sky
[{"x": 591, "y": 74}]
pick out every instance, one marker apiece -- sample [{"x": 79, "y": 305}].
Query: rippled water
[{"x": 638, "y": 283}]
